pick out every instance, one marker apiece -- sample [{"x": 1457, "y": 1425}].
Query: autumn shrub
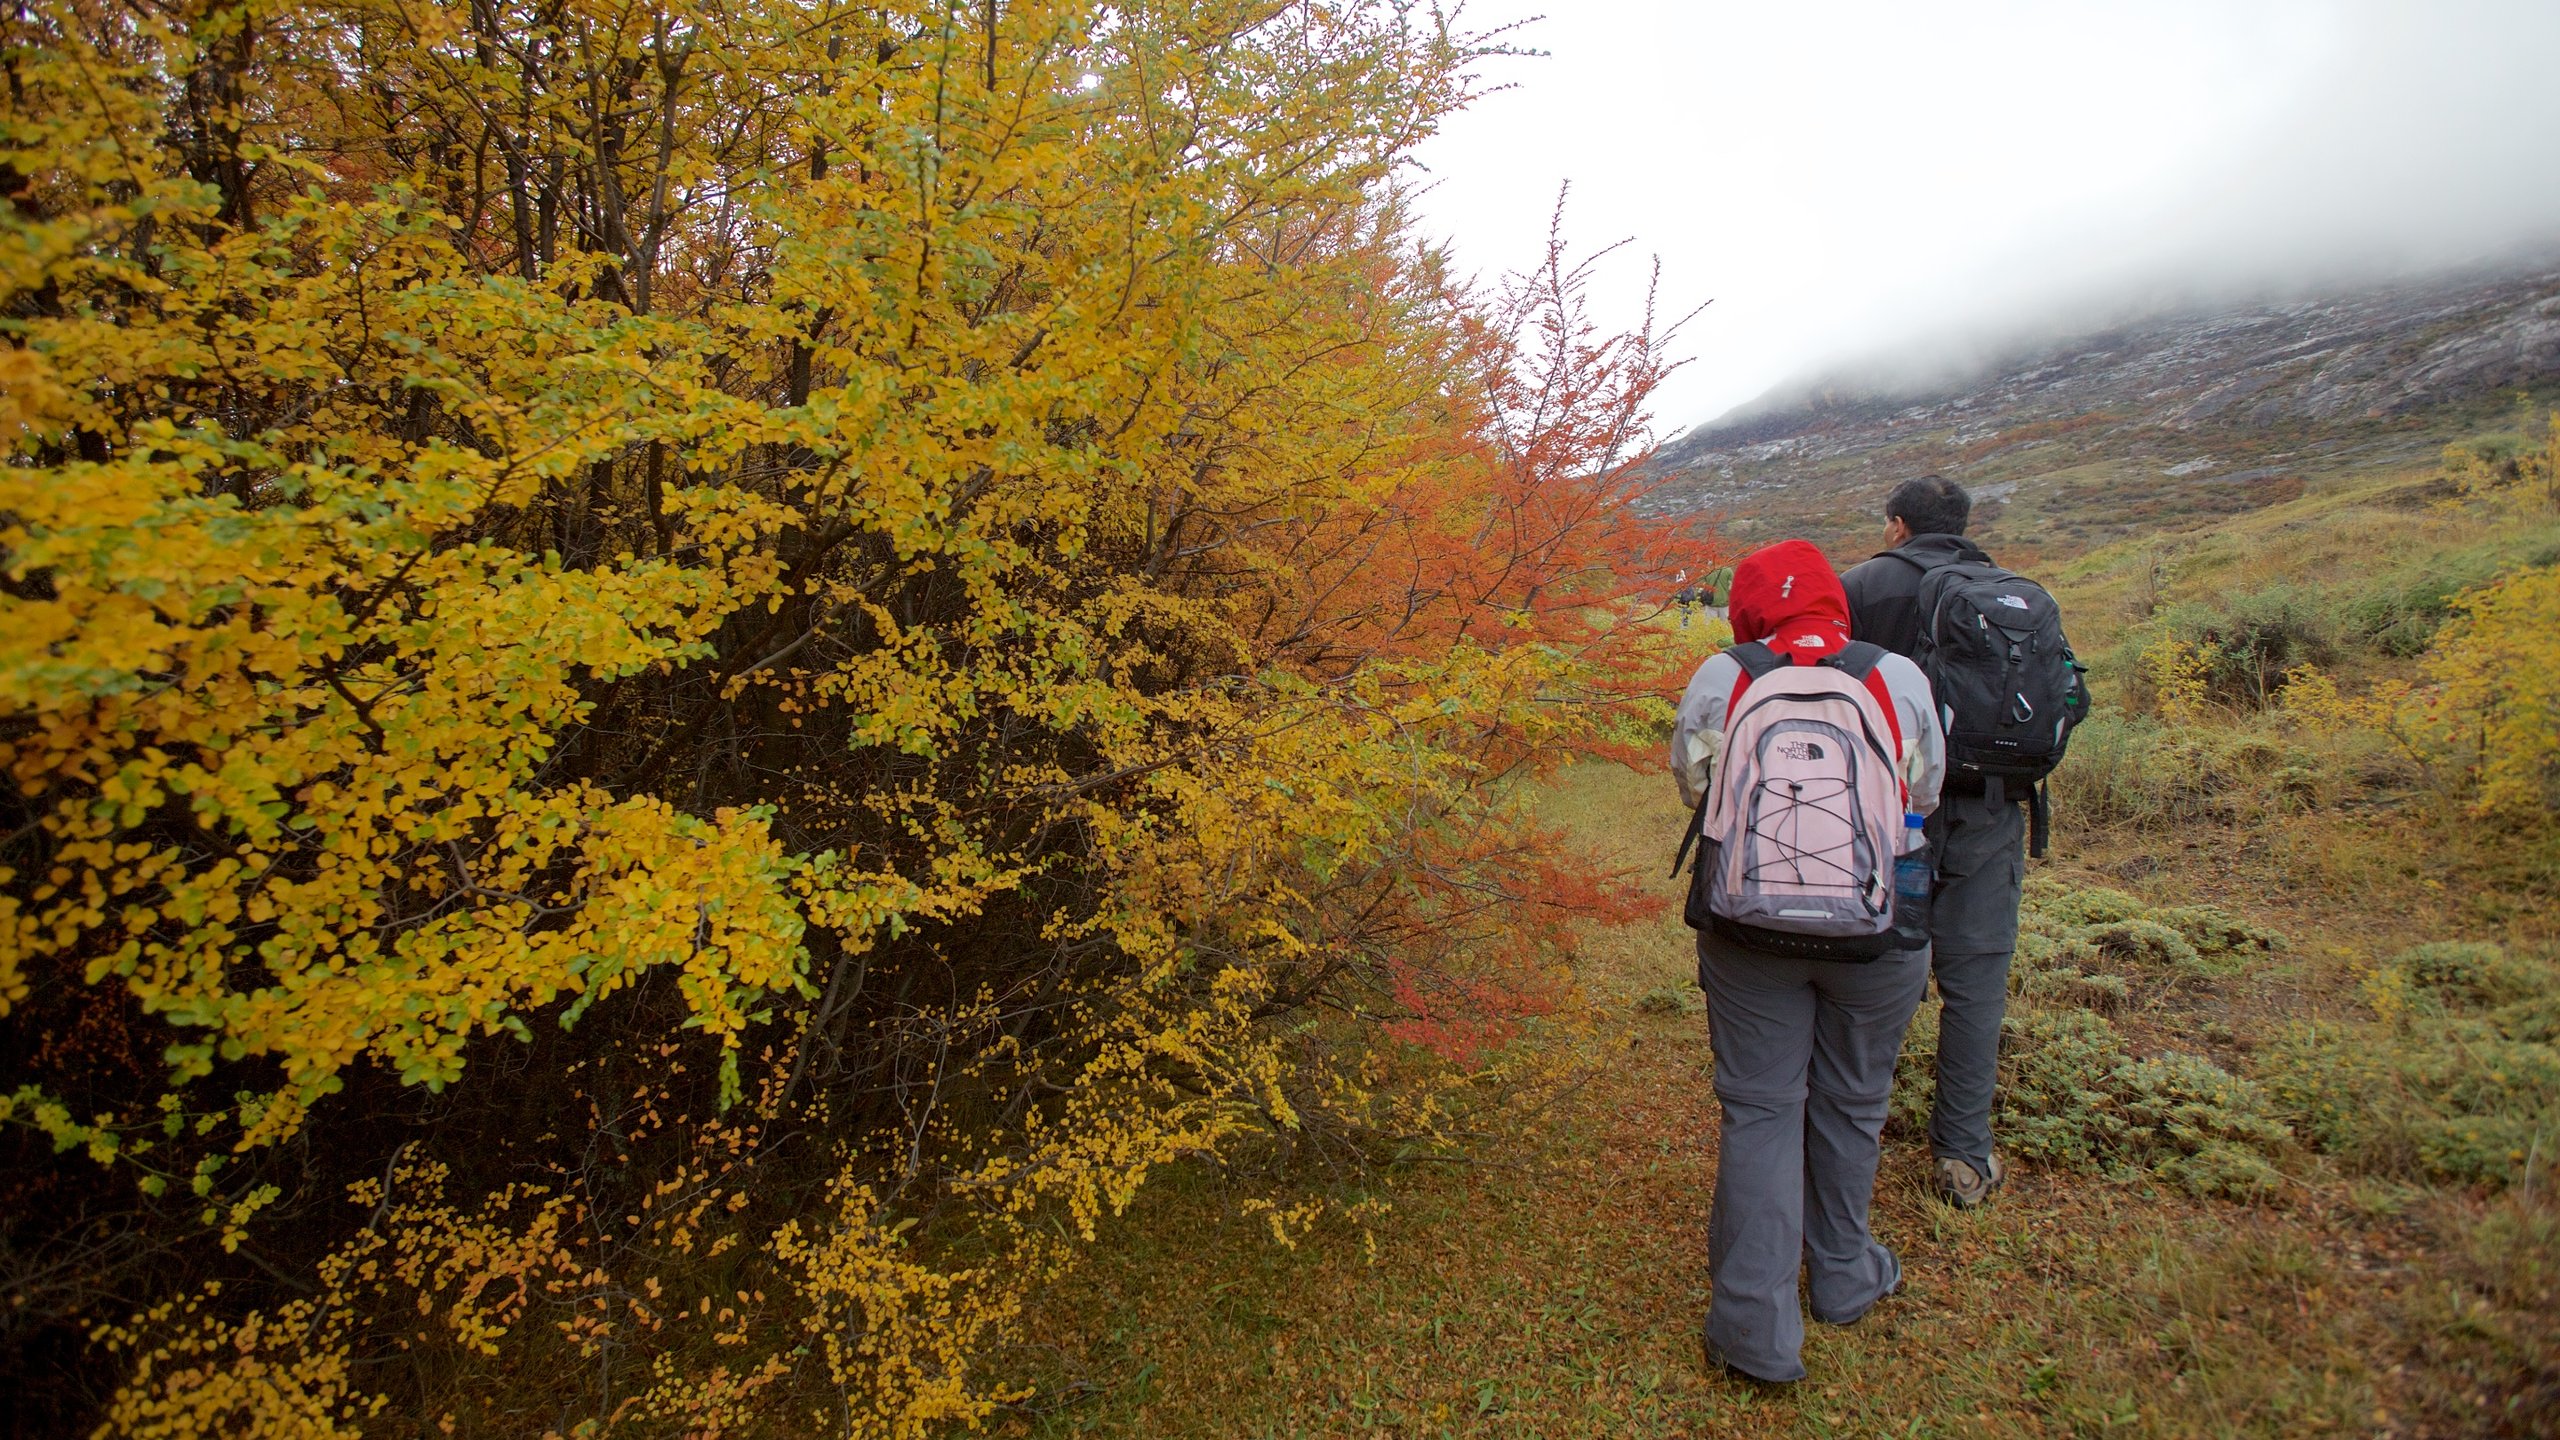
[
  {"x": 685, "y": 682},
  {"x": 2482, "y": 713},
  {"x": 2522, "y": 466},
  {"x": 2234, "y": 652},
  {"x": 2496, "y": 675}
]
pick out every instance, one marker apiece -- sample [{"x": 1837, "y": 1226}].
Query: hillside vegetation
[{"x": 2281, "y": 1077}]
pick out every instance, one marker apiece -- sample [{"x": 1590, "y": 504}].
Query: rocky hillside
[{"x": 2171, "y": 419}]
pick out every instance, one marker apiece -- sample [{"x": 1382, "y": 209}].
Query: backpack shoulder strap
[
  {"x": 1755, "y": 658},
  {"x": 1689, "y": 836},
  {"x": 1858, "y": 657},
  {"x": 1859, "y": 660}
]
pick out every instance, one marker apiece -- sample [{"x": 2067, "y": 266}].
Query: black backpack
[{"x": 2008, "y": 688}]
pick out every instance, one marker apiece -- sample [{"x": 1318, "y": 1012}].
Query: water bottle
[
  {"x": 1913, "y": 878},
  {"x": 1912, "y": 871}
]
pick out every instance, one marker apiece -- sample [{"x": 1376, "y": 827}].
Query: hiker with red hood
[{"x": 1807, "y": 761}]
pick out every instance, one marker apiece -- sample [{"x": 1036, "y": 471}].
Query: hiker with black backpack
[
  {"x": 1806, "y": 761},
  {"x": 2009, "y": 692}
]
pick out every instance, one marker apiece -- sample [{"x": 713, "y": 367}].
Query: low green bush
[
  {"x": 2536, "y": 1018},
  {"x": 2138, "y": 944},
  {"x": 2054, "y": 1095},
  {"x": 1667, "y": 1000},
  {"x": 2138, "y": 771},
  {"x": 2066, "y": 986},
  {"x": 2093, "y": 930},
  {"x": 2460, "y": 1080},
  {"x": 2401, "y": 620},
  {"x": 2464, "y": 972},
  {"x": 2072, "y": 1093},
  {"x": 2216, "y": 933},
  {"x": 2202, "y": 1126},
  {"x": 2324, "y": 1082},
  {"x": 2050, "y": 909}
]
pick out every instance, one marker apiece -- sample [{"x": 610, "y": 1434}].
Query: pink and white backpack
[{"x": 1802, "y": 819}]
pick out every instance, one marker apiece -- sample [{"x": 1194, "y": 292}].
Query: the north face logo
[
  {"x": 2014, "y": 602},
  {"x": 1801, "y": 750}
]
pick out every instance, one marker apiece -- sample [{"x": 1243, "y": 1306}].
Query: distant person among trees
[
  {"x": 2009, "y": 692},
  {"x": 1804, "y": 1047}
]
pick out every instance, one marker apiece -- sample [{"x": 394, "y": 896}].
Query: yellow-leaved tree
[
  {"x": 683, "y": 679},
  {"x": 2496, "y": 673}
]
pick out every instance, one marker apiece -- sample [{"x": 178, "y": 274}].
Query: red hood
[{"x": 1787, "y": 595}]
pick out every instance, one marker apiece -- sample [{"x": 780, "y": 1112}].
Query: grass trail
[{"x": 1557, "y": 1291}]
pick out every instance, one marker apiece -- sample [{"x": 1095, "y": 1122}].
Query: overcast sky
[{"x": 1853, "y": 176}]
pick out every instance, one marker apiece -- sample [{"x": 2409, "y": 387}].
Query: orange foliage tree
[{"x": 662, "y": 642}]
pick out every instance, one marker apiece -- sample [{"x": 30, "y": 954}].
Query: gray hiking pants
[
  {"x": 1804, "y": 1053},
  {"x": 1973, "y": 926}
]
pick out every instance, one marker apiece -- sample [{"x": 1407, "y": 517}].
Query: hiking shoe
[{"x": 1964, "y": 1187}]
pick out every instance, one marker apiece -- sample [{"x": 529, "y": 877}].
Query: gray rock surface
[{"x": 2208, "y": 397}]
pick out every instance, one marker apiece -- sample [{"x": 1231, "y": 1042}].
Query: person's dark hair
[{"x": 1930, "y": 505}]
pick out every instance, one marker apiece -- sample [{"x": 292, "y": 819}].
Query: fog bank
[{"x": 1868, "y": 181}]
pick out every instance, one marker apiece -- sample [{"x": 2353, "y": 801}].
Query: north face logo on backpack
[
  {"x": 2014, "y": 602},
  {"x": 1801, "y": 750}
]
